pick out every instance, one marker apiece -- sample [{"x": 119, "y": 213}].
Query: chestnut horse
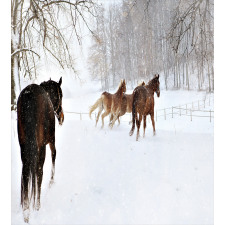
[
  {"x": 126, "y": 107},
  {"x": 143, "y": 104},
  {"x": 36, "y": 109},
  {"x": 111, "y": 103}
]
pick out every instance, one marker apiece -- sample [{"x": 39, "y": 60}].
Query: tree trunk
[{"x": 13, "y": 85}]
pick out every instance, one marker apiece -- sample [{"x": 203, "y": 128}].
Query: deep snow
[{"x": 104, "y": 176}]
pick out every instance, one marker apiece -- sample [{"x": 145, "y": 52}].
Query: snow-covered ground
[{"x": 104, "y": 176}]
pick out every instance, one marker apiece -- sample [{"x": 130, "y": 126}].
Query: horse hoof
[
  {"x": 51, "y": 183},
  {"x": 26, "y": 220},
  {"x": 38, "y": 206},
  {"x": 26, "y": 215},
  {"x": 137, "y": 137}
]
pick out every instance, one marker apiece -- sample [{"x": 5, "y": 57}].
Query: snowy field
[{"x": 104, "y": 176}]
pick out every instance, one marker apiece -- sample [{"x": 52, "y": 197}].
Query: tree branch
[{"x": 24, "y": 50}]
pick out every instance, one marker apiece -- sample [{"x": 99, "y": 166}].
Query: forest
[
  {"x": 141, "y": 38},
  {"x": 130, "y": 40}
]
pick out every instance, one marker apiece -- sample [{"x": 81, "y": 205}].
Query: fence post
[
  {"x": 210, "y": 115},
  {"x": 172, "y": 111},
  {"x": 80, "y": 116},
  {"x": 186, "y": 108},
  {"x": 191, "y": 114},
  {"x": 198, "y": 104},
  {"x": 204, "y": 103},
  {"x": 209, "y": 101},
  {"x": 192, "y": 105},
  {"x": 180, "y": 109},
  {"x": 165, "y": 113}
]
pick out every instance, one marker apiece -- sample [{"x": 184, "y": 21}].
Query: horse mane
[
  {"x": 120, "y": 85},
  {"x": 156, "y": 77},
  {"x": 142, "y": 83}
]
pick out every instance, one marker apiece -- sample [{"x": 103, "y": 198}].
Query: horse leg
[
  {"x": 111, "y": 119},
  {"x": 118, "y": 120},
  {"x": 115, "y": 117},
  {"x": 24, "y": 192},
  {"x": 138, "y": 125},
  {"x": 134, "y": 117},
  {"x": 53, "y": 150},
  {"x": 40, "y": 174},
  {"x": 144, "y": 125},
  {"x": 153, "y": 123},
  {"x": 103, "y": 116}
]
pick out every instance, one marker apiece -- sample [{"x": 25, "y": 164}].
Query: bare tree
[
  {"x": 44, "y": 27},
  {"x": 191, "y": 35},
  {"x": 170, "y": 37}
]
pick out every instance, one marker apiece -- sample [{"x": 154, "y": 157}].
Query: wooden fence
[{"x": 192, "y": 109}]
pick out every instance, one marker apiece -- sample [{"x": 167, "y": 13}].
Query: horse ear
[{"x": 60, "y": 81}]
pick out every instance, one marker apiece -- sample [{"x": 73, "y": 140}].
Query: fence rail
[
  {"x": 192, "y": 109},
  {"x": 189, "y": 109}
]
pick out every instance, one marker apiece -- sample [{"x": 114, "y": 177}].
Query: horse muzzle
[
  {"x": 61, "y": 117},
  {"x": 158, "y": 94}
]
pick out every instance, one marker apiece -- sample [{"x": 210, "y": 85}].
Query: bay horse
[
  {"x": 37, "y": 106},
  {"x": 143, "y": 104},
  {"x": 126, "y": 106},
  {"x": 111, "y": 103}
]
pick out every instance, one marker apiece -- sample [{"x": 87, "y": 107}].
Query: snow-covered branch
[{"x": 24, "y": 50}]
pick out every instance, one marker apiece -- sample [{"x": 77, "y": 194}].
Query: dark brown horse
[
  {"x": 111, "y": 103},
  {"x": 143, "y": 104},
  {"x": 36, "y": 109}
]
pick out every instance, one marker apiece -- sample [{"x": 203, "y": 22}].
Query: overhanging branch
[{"x": 23, "y": 50}]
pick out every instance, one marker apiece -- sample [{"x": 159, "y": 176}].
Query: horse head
[
  {"x": 154, "y": 84},
  {"x": 157, "y": 85},
  {"x": 54, "y": 91},
  {"x": 123, "y": 86}
]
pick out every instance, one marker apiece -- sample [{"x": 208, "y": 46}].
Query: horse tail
[
  {"x": 134, "y": 114},
  {"x": 29, "y": 155},
  {"x": 98, "y": 103},
  {"x": 29, "y": 176}
]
